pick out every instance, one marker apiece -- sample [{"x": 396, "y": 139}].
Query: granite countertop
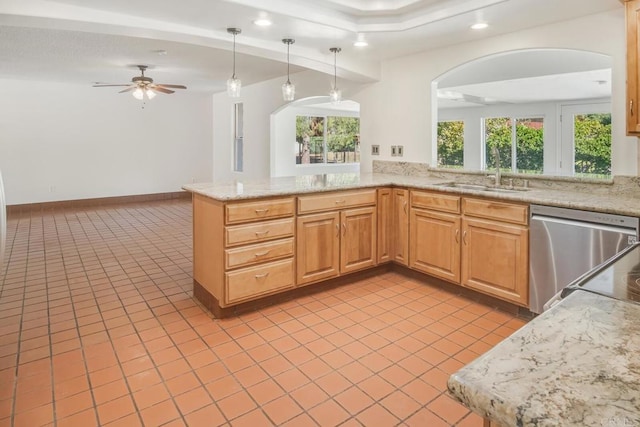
[
  {"x": 577, "y": 364},
  {"x": 607, "y": 203}
]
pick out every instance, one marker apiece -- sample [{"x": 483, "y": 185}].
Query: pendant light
[
  {"x": 234, "y": 84},
  {"x": 336, "y": 94},
  {"x": 288, "y": 89}
]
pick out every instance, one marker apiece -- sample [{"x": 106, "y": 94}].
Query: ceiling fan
[{"x": 143, "y": 86}]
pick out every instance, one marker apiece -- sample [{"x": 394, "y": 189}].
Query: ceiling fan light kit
[
  {"x": 234, "y": 85},
  {"x": 143, "y": 87},
  {"x": 288, "y": 88}
]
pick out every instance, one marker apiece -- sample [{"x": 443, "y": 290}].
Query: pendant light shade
[
  {"x": 336, "y": 94},
  {"x": 288, "y": 89},
  {"x": 234, "y": 84}
]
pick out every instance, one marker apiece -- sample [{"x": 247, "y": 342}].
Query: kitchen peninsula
[{"x": 256, "y": 239}]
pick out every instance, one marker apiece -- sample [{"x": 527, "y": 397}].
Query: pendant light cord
[
  {"x": 335, "y": 69},
  {"x": 288, "y": 64},
  {"x": 234, "y": 56}
]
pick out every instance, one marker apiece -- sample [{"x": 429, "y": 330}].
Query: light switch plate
[
  {"x": 375, "y": 150},
  {"x": 400, "y": 150},
  {"x": 394, "y": 150}
]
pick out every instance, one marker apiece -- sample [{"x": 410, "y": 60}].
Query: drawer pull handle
[
  {"x": 631, "y": 107},
  {"x": 261, "y": 211},
  {"x": 464, "y": 237},
  {"x": 344, "y": 229},
  {"x": 337, "y": 230},
  {"x": 457, "y": 236},
  {"x": 259, "y": 254},
  {"x": 261, "y": 276},
  {"x": 262, "y": 233},
  {"x": 339, "y": 202},
  {"x": 404, "y": 206}
]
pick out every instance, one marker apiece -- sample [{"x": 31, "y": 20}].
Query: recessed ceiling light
[
  {"x": 360, "y": 43},
  {"x": 479, "y": 26},
  {"x": 262, "y": 22}
]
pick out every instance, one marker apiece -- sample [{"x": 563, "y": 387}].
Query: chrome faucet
[{"x": 496, "y": 158}]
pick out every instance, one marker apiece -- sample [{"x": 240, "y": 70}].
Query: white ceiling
[{"x": 83, "y": 41}]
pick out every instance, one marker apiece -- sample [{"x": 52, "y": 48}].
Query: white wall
[
  {"x": 64, "y": 142},
  {"x": 399, "y": 110},
  {"x": 285, "y": 147},
  {"x": 260, "y": 100}
]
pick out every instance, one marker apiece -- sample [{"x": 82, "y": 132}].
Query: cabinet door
[
  {"x": 435, "y": 244},
  {"x": 633, "y": 77},
  {"x": 385, "y": 225},
  {"x": 318, "y": 247},
  {"x": 358, "y": 241},
  {"x": 495, "y": 259},
  {"x": 400, "y": 221}
]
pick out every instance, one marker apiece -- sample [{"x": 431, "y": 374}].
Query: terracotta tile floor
[{"x": 98, "y": 326}]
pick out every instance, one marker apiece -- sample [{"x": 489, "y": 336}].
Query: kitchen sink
[{"x": 480, "y": 187}]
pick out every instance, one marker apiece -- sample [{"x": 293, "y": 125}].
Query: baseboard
[{"x": 100, "y": 201}]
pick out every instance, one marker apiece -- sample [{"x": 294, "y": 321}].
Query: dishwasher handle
[{"x": 591, "y": 225}]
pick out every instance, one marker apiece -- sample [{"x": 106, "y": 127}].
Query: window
[
  {"x": 451, "y": 144},
  {"x": 592, "y": 133},
  {"x": 330, "y": 139},
  {"x": 238, "y": 143},
  {"x": 520, "y": 144}
]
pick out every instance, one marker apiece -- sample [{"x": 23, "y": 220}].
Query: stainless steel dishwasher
[{"x": 566, "y": 243}]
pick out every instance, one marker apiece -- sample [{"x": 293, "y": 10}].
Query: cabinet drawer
[
  {"x": 244, "y": 212},
  {"x": 254, "y": 233},
  {"x": 435, "y": 201},
  {"x": 333, "y": 201},
  {"x": 253, "y": 282},
  {"x": 254, "y": 254},
  {"x": 517, "y": 214}
]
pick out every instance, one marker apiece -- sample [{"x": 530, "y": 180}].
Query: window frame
[
  {"x": 514, "y": 148},
  {"x": 325, "y": 150}
]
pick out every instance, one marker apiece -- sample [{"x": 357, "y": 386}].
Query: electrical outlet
[
  {"x": 52, "y": 189},
  {"x": 400, "y": 150},
  {"x": 375, "y": 150},
  {"x": 394, "y": 150}
]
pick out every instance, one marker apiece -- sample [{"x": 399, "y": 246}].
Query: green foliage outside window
[
  {"x": 592, "y": 138},
  {"x": 343, "y": 138},
  {"x": 451, "y": 144},
  {"x": 529, "y": 144}
]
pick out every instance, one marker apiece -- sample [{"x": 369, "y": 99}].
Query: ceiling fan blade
[
  {"x": 129, "y": 89},
  {"x": 161, "y": 89},
  {"x": 106, "y": 85},
  {"x": 172, "y": 86}
]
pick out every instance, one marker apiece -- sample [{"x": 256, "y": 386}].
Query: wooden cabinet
[
  {"x": 338, "y": 241},
  {"x": 393, "y": 225},
  {"x": 358, "y": 241},
  {"x": 495, "y": 249},
  {"x": 479, "y": 243},
  {"x": 400, "y": 226},
  {"x": 633, "y": 72},
  {"x": 435, "y": 235},
  {"x": 435, "y": 249},
  {"x": 318, "y": 247},
  {"x": 385, "y": 224},
  {"x": 243, "y": 250}
]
